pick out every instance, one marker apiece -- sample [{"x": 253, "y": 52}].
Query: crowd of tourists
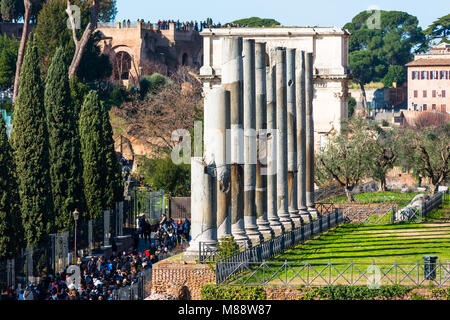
[
  {"x": 168, "y": 234},
  {"x": 188, "y": 25},
  {"x": 102, "y": 276},
  {"x": 99, "y": 278}
]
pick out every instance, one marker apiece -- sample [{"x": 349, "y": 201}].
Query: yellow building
[{"x": 429, "y": 80}]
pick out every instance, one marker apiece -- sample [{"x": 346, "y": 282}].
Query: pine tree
[
  {"x": 30, "y": 143},
  {"x": 10, "y": 220},
  {"x": 92, "y": 150},
  {"x": 65, "y": 164},
  {"x": 113, "y": 178}
]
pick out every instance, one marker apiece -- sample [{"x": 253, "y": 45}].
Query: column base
[
  {"x": 277, "y": 227},
  {"x": 265, "y": 229},
  {"x": 304, "y": 214},
  {"x": 268, "y": 234},
  {"x": 256, "y": 239},
  {"x": 243, "y": 243},
  {"x": 313, "y": 212},
  {"x": 191, "y": 253},
  {"x": 295, "y": 217},
  {"x": 288, "y": 225},
  {"x": 298, "y": 222}
]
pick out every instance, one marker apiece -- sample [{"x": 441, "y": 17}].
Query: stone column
[
  {"x": 261, "y": 130},
  {"x": 309, "y": 96},
  {"x": 301, "y": 135},
  {"x": 272, "y": 208},
  {"x": 220, "y": 100},
  {"x": 291, "y": 137},
  {"x": 232, "y": 75},
  {"x": 203, "y": 221},
  {"x": 250, "y": 153},
  {"x": 282, "y": 158}
]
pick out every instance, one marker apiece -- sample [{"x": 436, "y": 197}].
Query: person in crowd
[{"x": 102, "y": 276}]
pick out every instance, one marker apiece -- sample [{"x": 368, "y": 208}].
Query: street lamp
[{"x": 76, "y": 215}]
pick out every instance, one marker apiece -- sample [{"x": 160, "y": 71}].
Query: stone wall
[
  {"x": 358, "y": 213},
  {"x": 182, "y": 280}
]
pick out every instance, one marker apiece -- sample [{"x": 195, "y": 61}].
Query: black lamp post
[{"x": 76, "y": 215}]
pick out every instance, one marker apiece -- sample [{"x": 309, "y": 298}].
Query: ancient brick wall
[{"x": 183, "y": 281}]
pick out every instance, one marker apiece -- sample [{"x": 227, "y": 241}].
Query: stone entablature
[{"x": 331, "y": 70}]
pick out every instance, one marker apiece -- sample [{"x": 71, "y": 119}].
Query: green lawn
[
  {"x": 384, "y": 243},
  {"x": 398, "y": 198},
  {"x": 362, "y": 245}
]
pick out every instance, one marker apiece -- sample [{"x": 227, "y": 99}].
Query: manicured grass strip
[{"x": 398, "y": 198}]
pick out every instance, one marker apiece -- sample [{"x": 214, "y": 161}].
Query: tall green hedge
[
  {"x": 90, "y": 128},
  {"x": 65, "y": 162},
  {"x": 10, "y": 219},
  {"x": 30, "y": 143}
]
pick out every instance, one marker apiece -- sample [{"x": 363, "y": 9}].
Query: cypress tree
[
  {"x": 92, "y": 150},
  {"x": 113, "y": 177},
  {"x": 65, "y": 171},
  {"x": 10, "y": 220},
  {"x": 30, "y": 144}
]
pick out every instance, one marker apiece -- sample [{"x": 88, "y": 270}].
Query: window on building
[
  {"x": 443, "y": 108},
  {"x": 433, "y": 93},
  {"x": 431, "y": 75},
  {"x": 443, "y": 93},
  {"x": 424, "y": 93},
  {"x": 424, "y": 75},
  {"x": 442, "y": 75},
  {"x": 416, "y": 94},
  {"x": 433, "y": 107},
  {"x": 424, "y": 107}
]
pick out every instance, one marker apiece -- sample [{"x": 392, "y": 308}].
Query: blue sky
[{"x": 288, "y": 12}]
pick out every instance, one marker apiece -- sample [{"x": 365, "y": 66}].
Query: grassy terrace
[
  {"x": 383, "y": 244},
  {"x": 400, "y": 199}
]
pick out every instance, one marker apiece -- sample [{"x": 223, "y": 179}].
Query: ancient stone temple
[
  {"x": 331, "y": 73},
  {"x": 268, "y": 93}
]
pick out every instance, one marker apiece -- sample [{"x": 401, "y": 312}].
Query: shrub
[
  {"x": 342, "y": 292},
  {"x": 441, "y": 293},
  {"x": 214, "y": 292},
  {"x": 152, "y": 84},
  {"x": 227, "y": 247}
]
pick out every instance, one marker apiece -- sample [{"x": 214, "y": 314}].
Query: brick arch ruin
[{"x": 144, "y": 49}]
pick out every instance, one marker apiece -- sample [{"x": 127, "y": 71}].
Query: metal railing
[
  {"x": 54, "y": 252},
  {"x": 151, "y": 204},
  {"x": 418, "y": 214},
  {"x": 136, "y": 291},
  {"x": 228, "y": 266},
  {"x": 292, "y": 273}
]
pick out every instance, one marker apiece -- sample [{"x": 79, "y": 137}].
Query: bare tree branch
[
  {"x": 23, "y": 42},
  {"x": 80, "y": 45}
]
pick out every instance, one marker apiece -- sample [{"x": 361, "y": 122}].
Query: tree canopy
[
  {"x": 65, "y": 164},
  {"x": 439, "y": 29},
  {"x": 8, "y": 57},
  {"x": 374, "y": 50},
  {"x": 10, "y": 218},
  {"x": 29, "y": 138},
  {"x": 256, "y": 22},
  {"x": 427, "y": 152},
  {"x": 52, "y": 32}
]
